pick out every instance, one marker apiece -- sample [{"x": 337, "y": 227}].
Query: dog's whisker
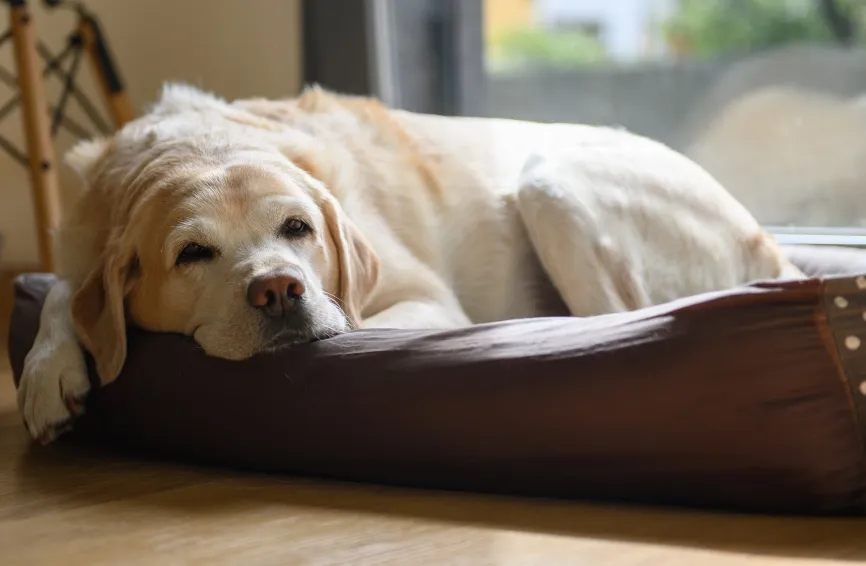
[{"x": 335, "y": 300}]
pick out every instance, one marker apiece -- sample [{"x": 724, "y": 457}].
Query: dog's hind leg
[
  {"x": 622, "y": 226},
  {"x": 571, "y": 249}
]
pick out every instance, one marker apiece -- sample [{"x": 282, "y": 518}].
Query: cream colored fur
[{"x": 417, "y": 222}]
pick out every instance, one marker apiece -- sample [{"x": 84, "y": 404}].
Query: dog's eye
[
  {"x": 295, "y": 227},
  {"x": 192, "y": 253}
]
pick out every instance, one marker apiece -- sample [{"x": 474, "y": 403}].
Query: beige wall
[{"x": 233, "y": 47}]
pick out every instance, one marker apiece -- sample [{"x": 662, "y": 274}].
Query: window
[{"x": 768, "y": 95}]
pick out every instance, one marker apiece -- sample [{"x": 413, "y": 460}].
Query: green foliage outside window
[
  {"x": 698, "y": 29},
  {"x": 533, "y": 47},
  {"x": 708, "y": 28}
]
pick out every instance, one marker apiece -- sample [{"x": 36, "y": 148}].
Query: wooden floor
[{"x": 62, "y": 505}]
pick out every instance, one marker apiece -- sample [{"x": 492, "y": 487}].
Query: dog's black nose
[{"x": 275, "y": 293}]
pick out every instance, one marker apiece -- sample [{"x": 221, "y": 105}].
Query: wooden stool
[{"x": 39, "y": 126}]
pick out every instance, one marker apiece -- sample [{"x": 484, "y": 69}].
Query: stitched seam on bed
[{"x": 823, "y": 322}]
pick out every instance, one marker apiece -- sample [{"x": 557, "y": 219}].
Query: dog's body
[{"x": 202, "y": 212}]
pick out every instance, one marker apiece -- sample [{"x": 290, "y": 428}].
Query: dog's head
[{"x": 217, "y": 234}]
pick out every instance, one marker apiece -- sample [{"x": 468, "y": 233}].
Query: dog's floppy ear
[
  {"x": 358, "y": 262},
  {"x": 98, "y": 309}
]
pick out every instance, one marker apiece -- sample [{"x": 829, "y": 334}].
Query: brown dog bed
[{"x": 750, "y": 399}]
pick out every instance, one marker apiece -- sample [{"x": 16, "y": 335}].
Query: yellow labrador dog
[{"x": 256, "y": 224}]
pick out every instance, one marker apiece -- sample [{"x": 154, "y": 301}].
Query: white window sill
[{"x": 819, "y": 236}]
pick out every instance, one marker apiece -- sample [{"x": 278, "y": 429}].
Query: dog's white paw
[{"x": 52, "y": 388}]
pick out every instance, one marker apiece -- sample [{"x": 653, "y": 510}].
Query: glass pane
[{"x": 768, "y": 95}]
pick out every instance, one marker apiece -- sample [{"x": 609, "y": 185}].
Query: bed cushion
[{"x": 751, "y": 399}]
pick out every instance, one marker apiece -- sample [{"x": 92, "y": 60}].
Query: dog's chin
[
  {"x": 265, "y": 336},
  {"x": 276, "y": 341},
  {"x": 288, "y": 338}
]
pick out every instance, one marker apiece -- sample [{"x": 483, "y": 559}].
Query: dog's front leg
[{"x": 54, "y": 382}]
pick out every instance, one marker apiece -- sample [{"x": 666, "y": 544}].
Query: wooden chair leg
[
  {"x": 106, "y": 72},
  {"x": 37, "y": 132}
]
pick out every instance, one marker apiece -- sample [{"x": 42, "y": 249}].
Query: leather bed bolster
[{"x": 750, "y": 399}]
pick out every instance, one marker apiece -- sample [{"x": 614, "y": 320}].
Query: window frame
[{"x": 421, "y": 55}]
